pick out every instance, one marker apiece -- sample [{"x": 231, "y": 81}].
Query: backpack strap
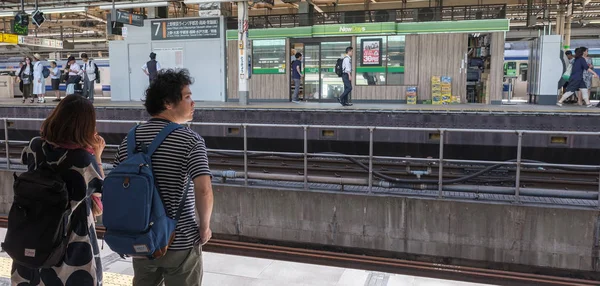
[
  {"x": 183, "y": 199},
  {"x": 162, "y": 135},
  {"x": 131, "y": 144}
]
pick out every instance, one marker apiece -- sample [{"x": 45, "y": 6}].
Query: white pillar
[{"x": 244, "y": 86}]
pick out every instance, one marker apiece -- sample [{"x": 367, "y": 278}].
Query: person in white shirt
[
  {"x": 55, "y": 79},
  {"x": 74, "y": 70},
  {"x": 39, "y": 83},
  {"x": 89, "y": 76},
  {"x": 151, "y": 68},
  {"x": 346, "y": 77}
]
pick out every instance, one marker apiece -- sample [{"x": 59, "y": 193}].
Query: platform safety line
[{"x": 110, "y": 278}]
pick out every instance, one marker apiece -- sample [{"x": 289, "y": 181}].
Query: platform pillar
[{"x": 244, "y": 67}]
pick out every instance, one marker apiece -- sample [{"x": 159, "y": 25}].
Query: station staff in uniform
[
  {"x": 39, "y": 83},
  {"x": 151, "y": 68},
  {"x": 89, "y": 76}
]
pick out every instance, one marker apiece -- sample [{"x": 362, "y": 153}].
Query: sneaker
[
  {"x": 559, "y": 104},
  {"x": 590, "y": 105},
  {"x": 295, "y": 101}
]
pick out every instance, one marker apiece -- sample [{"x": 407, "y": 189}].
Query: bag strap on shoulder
[
  {"x": 162, "y": 135},
  {"x": 131, "y": 144}
]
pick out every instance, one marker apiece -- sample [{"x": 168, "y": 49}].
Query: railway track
[
  {"x": 404, "y": 170},
  {"x": 380, "y": 264}
]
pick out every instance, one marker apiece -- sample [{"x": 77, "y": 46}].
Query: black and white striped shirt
[{"x": 181, "y": 155}]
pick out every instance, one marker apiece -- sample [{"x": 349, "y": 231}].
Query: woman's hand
[{"x": 99, "y": 147}]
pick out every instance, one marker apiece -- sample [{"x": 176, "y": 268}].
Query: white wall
[{"x": 204, "y": 58}]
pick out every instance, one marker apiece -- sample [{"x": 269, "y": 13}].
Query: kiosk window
[
  {"x": 268, "y": 56},
  {"x": 380, "y": 60}
]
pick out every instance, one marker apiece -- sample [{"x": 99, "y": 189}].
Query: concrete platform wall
[
  {"x": 490, "y": 233},
  {"x": 482, "y": 234}
]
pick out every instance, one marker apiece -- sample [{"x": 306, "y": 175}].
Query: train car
[
  {"x": 10, "y": 66},
  {"x": 516, "y": 63}
]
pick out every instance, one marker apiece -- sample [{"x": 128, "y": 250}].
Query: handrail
[{"x": 518, "y": 163}]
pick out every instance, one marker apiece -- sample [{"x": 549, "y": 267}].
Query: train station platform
[
  {"x": 522, "y": 108},
  {"x": 232, "y": 270}
]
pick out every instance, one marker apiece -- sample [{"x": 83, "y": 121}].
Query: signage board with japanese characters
[{"x": 183, "y": 29}]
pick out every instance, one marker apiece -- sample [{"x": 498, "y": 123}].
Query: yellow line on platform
[{"x": 110, "y": 279}]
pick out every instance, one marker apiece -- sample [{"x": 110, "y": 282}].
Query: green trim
[
  {"x": 273, "y": 33},
  {"x": 354, "y": 29},
  {"x": 495, "y": 25},
  {"x": 268, "y": 71},
  {"x": 386, "y": 28}
]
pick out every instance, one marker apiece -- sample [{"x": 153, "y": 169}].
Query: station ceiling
[{"x": 86, "y": 28}]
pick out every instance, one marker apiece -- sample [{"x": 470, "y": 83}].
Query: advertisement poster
[{"x": 371, "y": 52}]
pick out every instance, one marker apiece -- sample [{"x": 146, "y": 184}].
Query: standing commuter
[
  {"x": 70, "y": 145},
  {"x": 346, "y": 77},
  {"x": 26, "y": 77},
  {"x": 576, "y": 81},
  {"x": 181, "y": 157},
  {"x": 89, "y": 76},
  {"x": 74, "y": 70},
  {"x": 297, "y": 76},
  {"x": 39, "y": 82},
  {"x": 55, "y": 79}
]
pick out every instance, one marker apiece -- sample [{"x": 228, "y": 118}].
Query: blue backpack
[{"x": 136, "y": 222}]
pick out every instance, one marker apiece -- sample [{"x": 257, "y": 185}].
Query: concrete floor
[{"x": 231, "y": 270}]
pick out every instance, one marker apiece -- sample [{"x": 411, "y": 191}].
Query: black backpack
[
  {"x": 97, "y": 72},
  {"x": 38, "y": 222},
  {"x": 338, "y": 67}
]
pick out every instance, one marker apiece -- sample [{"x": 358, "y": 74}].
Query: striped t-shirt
[{"x": 181, "y": 155}]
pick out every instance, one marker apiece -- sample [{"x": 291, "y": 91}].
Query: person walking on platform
[
  {"x": 39, "y": 82},
  {"x": 346, "y": 77},
  {"x": 151, "y": 67},
  {"x": 89, "y": 76},
  {"x": 576, "y": 81},
  {"x": 26, "y": 77},
  {"x": 180, "y": 157},
  {"x": 297, "y": 76},
  {"x": 70, "y": 149}
]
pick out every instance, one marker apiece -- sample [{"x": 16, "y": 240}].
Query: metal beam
[{"x": 533, "y": 33}]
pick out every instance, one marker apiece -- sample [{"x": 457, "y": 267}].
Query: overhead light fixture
[
  {"x": 58, "y": 10},
  {"x": 7, "y": 14},
  {"x": 135, "y": 5},
  {"x": 595, "y": 22}
]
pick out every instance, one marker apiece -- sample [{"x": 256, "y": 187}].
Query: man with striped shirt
[{"x": 180, "y": 157}]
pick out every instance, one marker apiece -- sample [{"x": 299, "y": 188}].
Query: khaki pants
[{"x": 176, "y": 268}]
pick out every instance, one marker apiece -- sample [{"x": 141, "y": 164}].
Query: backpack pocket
[
  {"x": 138, "y": 244},
  {"x": 127, "y": 203}
]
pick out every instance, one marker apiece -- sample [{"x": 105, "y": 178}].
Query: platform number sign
[{"x": 182, "y": 29}]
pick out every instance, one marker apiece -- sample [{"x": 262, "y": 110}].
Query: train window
[{"x": 523, "y": 71}]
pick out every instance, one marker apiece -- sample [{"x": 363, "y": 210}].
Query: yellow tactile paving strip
[{"x": 110, "y": 279}]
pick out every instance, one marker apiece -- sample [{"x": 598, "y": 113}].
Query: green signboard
[
  {"x": 386, "y": 28},
  {"x": 354, "y": 29}
]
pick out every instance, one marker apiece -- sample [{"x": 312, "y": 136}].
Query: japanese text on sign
[
  {"x": 371, "y": 52},
  {"x": 181, "y": 29}
]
